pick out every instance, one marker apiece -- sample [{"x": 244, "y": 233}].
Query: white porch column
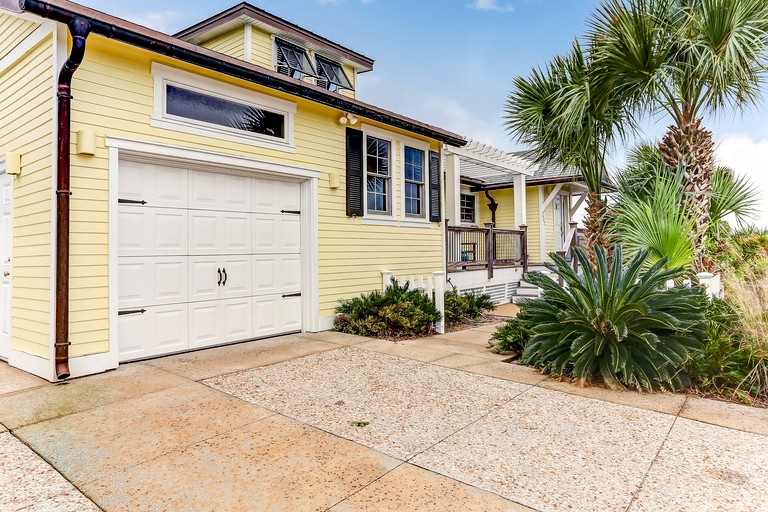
[
  {"x": 452, "y": 188},
  {"x": 520, "y": 201},
  {"x": 542, "y": 225}
]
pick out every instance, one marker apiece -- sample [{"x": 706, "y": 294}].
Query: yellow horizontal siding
[
  {"x": 231, "y": 43},
  {"x": 350, "y": 71},
  {"x": 549, "y": 224},
  {"x": 505, "y": 211},
  {"x": 261, "y": 48},
  {"x": 532, "y": 215},
  {"x": 26, "y": 110},
  {"x": 14, "y": 30},
  {"x": 352, "y": 255}
]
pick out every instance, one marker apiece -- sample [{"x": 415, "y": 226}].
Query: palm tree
[
  {"x": 685, "y": 58},
  {"x": 651, "y": 213},
  {"x": 566, "y": 117}
]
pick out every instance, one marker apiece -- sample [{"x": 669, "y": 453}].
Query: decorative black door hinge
[
  {"x": 131, "y": 312},
  {"x": 292, "y": 212},
  {"x": 286, "y": 295},
  {"x": 130, "y": 201}
]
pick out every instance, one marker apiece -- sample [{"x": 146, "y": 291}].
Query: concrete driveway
[{"x": 335, "y": 422}]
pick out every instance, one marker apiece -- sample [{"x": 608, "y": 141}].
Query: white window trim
[
  {"x": 421, "y": 146},
  {"x": 465, "y": 191},
  {"x": 391, "y": 137},
  {"x": 167, "y": 75}
]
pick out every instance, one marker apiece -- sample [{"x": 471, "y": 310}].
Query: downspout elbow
[{"x": 79, "y": 28}]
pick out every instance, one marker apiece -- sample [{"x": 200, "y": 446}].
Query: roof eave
[
  {"x": 64, "y": 11},
  {"x": 246, "y": 9}
]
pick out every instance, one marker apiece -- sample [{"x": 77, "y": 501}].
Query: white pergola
[{"x": 481, "y": 161}]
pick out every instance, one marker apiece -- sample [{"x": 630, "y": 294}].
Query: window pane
[
  {"x": 210, "y": 109},
  {"x": 383, "y": 149}
]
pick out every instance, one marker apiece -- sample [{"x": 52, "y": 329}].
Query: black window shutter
[
  {"x": 355, "y": 178},
  {"x": 434, "y": 187}
]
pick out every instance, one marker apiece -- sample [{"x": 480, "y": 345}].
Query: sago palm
[
  {"x": 565, "y": 116},
  {"x": 685, "y": 58}
]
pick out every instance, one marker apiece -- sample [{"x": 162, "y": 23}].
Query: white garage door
[{"x": 204, "y": 259}]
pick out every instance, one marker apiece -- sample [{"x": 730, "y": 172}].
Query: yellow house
[
  {"x": 505, "y": 214},
  {"x": 167, "y": 193}
]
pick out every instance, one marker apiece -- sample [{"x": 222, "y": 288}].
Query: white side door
[{"x": 6, "y": 253}]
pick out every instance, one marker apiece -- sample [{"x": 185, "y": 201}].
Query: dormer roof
[{"x": 243, "y": 13}]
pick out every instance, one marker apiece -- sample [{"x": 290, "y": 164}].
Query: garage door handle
[
  {"x": 131, "y": 312},
  {"x": 219, "y": 271},
  {"x": 225, "y": 277},
  {"x": 286, "y": 295}
]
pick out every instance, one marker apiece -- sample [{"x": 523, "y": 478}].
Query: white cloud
[
  {"x": 748, "y": 157},
  {"x": 491, "y": 5}
]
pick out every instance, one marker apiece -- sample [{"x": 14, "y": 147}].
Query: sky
[{"x": 451, "y": 63}]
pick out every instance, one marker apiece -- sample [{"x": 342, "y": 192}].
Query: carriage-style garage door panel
[{"x": 204, "y": 258}]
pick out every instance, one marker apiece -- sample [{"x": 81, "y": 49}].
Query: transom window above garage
[
  {"x": 210, "y": 109},
  {"x": 202, "y": 106}
]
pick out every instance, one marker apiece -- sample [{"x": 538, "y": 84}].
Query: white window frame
[
  {"x": 391, "y": 137},
  {"x": 464, "y": 191},
  {"x": 412, "y": 220},
  {"x": 165, "y": 75}
]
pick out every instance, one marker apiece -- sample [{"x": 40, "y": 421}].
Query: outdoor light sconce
[
  {"x": 333, "y": 179},
  {"x": 347, "y": 118},
  {"x": 86, "y": 143},
  {"x": 13, "y": 164}
]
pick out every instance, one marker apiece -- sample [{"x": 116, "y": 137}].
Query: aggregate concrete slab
[
  {"x": 394, "y": 405},
  {"x": 552, "y": 451},
  {"x": 706, "y": 467},
  {"x": 274, "y": 464},
  {"x": 90, "y": 444},
  {"x": 12, "y": 379},
  {"x": 724, "y": 414},
  {"x": 409, "y": 488},
  {"x": 55, "y": 400},
  {"x": 28, "y": 483},
  {"x": 203, "y": 364}
]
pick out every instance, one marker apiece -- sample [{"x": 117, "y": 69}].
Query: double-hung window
[
  {"x": 414, "y": 182},
  {"x": 468, "y": 208},
  {"x": 378, "y": 176}
]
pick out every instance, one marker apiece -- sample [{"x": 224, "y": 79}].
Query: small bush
[
  {"x": 398, "y": 312},
  {"x": 465, "y": 308},
  {"x": 511, "y": 336},
  {"x": 619, "y": 324}
]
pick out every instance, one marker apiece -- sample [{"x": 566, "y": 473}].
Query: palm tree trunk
[
  {"x": 688, "y": 147},
  {"x": 595, "y": 225}
]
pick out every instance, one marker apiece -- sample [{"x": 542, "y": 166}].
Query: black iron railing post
[{"x": 524, "y": 247}]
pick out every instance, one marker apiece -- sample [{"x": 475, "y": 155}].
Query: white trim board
[
  {"x": 211, "y": 159},
  {"x": 27, "y": 45}
]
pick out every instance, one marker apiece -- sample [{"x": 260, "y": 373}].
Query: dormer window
[
  {"x": 332, "y": 75},
  {"x": 293, "y": 60}
]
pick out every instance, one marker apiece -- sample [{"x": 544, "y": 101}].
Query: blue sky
[{"x": 451, "y": 62}]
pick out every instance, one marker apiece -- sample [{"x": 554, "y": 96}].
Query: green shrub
[
  {"x": 511, "y": 336},
  {"x": 397, "y": 312},
  {"x": 621, "y": 325},
  {"x": 724, "y": 360},
  {"x": 464, "y": 308}
]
